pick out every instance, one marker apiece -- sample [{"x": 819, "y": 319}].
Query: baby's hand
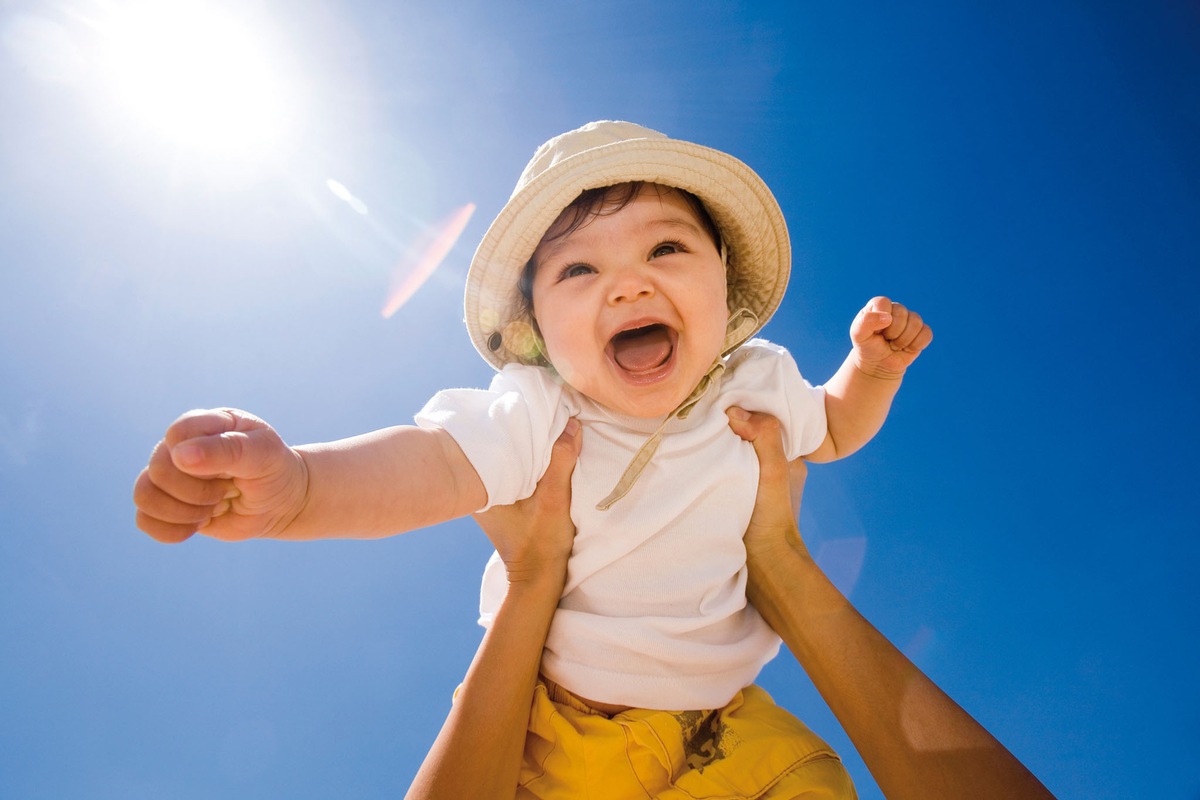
[
  {"x": 887, "y": 337},
  {"x": 222, "y": 472}
]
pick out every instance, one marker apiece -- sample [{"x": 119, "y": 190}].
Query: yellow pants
[{"x": 749, "y": 750}]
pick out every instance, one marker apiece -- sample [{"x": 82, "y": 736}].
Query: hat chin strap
[
  {"x": 742, "y": 323},
  {"x": 741, "y": 326}
]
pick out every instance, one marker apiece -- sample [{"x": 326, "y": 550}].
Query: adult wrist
[
  {"x": 541, "y": 580},
  {"x": 774, "y": 566}
]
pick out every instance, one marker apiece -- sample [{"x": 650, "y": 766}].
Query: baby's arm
[
  {"x": 386, "y": 482},
  {"x": 886, "y": 338},
  {"x": 227, "y": 474}
]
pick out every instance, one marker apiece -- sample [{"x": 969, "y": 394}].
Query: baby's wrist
[
  {"x": 301, "y": 486},
  {"x": 877, "y": 371}
]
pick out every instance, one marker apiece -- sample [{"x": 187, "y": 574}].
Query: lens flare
[
  {"x": 842, "y": 560},
  {"x": 427, "y": 254},
  {"x": 340, "y": 191}
]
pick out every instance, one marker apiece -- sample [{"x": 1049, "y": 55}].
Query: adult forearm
[
  {"x": 917, "y": 742},
  {"x": 478, "y": 752}
]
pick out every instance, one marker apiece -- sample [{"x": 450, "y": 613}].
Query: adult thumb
[{"x": 563, "y": 456}]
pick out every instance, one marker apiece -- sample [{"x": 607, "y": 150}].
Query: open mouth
[{"x": 642, "y": 350}]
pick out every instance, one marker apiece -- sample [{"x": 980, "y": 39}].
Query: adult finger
[
  {"x": 551, "y": 497},
  {"x": 536, "y": 534},
  {"x": 797, "y": 475},
  {"x": 556, "y": 481},
  {"x": 774, "y": 472}
]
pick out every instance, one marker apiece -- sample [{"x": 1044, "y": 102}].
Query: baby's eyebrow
[
  {"x": 675, "y": 222},
  {"x": 552, "y": 249}
]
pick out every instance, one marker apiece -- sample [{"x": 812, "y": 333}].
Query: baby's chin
[
  {"x": 628, "y": 396},
  {"x": 642, "y": 404},
  {"x": 642, "y": 410}
]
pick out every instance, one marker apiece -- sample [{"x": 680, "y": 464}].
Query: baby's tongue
[{"x": 642, "y": 349}]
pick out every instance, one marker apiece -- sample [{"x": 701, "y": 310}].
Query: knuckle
[
  {"x": 243, "y": 420},
  {"x": 141, "y": 486},
  {"x": 232, "y": 417},
  {"x": 233, "y": 446},
  {"x": 160, "y": 468},
  {"x": 159, "y": 454}
]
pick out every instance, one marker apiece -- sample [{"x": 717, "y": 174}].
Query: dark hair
[{"x": 602, "y": 202}]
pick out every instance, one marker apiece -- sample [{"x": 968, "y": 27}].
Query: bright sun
[{"x": 196, "y": 74}]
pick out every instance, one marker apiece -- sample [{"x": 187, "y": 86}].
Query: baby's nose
[{"x": 630, "y": 283}]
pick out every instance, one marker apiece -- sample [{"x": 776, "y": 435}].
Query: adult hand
[
  {"x": 478, "y": 752},
  {"x": 780, "y": 484},
  {"x": 222, "y": 472},
  {"x": 534, "y": 536},
  {"x": 915, "y": 739}
]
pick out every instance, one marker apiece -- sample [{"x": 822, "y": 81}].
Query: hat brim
[{"x": 743, "y": 208}]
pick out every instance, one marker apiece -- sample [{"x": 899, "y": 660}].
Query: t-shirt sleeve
[
  {"x": 764, "y": 378},
  {"x": 506, "y": 431}
]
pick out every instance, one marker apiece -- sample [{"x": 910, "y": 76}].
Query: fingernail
[
  {"x": 572, "y": 427},
  {"x": 738, "y": 413},
  {"x": 231, "y": 494}
]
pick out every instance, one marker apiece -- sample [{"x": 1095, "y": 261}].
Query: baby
[{"x": 621, "y": 285}]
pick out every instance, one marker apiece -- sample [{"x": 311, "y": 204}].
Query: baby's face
[{"x": 631, "y": 306}]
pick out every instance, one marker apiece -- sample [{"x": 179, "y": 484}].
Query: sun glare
[{"x": 196, "y": 74}]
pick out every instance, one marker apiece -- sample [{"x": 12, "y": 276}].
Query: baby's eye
[
  {"x": 666, "y": 248},
  {"x": 574, "y": 271}
]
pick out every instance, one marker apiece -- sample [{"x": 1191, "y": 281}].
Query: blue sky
[{"x": 1023, "y": 173}]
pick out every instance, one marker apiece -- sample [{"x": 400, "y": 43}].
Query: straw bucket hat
[{"x": 603, "y": 154}]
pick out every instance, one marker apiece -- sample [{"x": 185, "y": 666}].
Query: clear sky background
[{"x": 1025, "y": 173}]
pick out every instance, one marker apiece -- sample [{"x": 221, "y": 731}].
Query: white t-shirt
[{"x": 654, "y": 612}]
